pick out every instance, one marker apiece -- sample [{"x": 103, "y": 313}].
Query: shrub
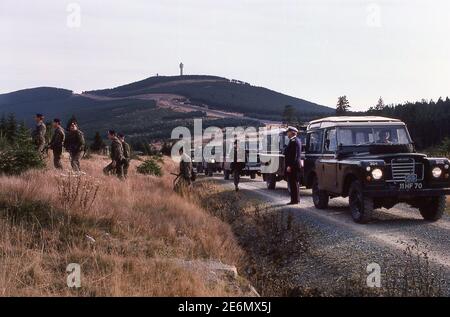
[
  {"x": 150, "y": 167},
  {"x": 16, "y": 160}
]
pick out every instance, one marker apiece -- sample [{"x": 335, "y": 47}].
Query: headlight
[
  {"x": 377, "y": 173},
  {"x": 446, "y": 166},
  {"x": 213, "y": 161},
  {"x": 437, "y": 172}
]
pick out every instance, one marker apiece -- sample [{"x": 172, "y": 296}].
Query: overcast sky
[{"x": 312, "y": 49}]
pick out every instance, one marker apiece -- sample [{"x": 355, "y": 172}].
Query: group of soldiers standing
[{"x": 73, "y": 141}]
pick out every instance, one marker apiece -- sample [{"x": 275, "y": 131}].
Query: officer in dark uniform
[
  {"x": 292, "y": 155},
  {"x": 237, "y": 166}
]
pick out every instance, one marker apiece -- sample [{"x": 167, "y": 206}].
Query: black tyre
[
  {"x": 360, "y": 206},
  {"x": 210, "y": 172},
  {"x": 433, "y": 208},
  {"x": 271, "y": 181},
  {"x": 320, "y": 197},
  {"x": 252, "y": 175},
  {"x": 226, "y": 175}
]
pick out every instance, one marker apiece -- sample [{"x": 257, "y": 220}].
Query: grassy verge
[{"x": 131, "y": 238}]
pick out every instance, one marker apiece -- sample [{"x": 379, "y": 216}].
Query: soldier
[
  {"x": 74, "y": 144},
  {"x": 57, "y": 143},
  {"x": 292, "y": 155},
  {"x": 237, "y": 166},
  {"x": 185, "y": 176},
  {"x": 126, "y": 153},
  {"x": 117, "y": 156},
  {"x": 39, "y": 133}
]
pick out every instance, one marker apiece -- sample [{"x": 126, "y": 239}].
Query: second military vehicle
[
  {"x": 272, "y": 154},
  {"x": 372, "y": 161}
]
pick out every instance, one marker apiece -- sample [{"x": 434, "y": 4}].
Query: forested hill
[{"x": 222, "y": 94}]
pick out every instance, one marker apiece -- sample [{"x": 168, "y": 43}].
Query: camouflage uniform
[
  {"x": 39, "y": 137},
  {"x": 186, "y": 169},
  {"x": 74, "y": 144},
  {"x": 127, "y": 158},
  {"x": 117, "y": 158},
  {"x": 56, "y": 144}
]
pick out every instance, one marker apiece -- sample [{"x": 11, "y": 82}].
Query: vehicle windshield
[{"x": 355, "y": 136}]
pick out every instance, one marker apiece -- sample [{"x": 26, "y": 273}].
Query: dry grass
[{"x": 128, "y": 236}]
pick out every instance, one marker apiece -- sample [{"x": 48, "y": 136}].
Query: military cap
[{"x": 293, "y": 129}]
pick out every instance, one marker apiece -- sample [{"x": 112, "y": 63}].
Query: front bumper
[{"x": 396, "y": 193}]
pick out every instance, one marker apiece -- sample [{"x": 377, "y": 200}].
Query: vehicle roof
[{"x": 347, "y": 120}]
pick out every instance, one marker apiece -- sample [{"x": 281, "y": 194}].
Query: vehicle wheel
[
  {"x": 252, "y": 175},
  {"x": 360, "y": 206},
  {"x": 271, "y": 181},
  {"x": 226, "y": 175},
  {"x": 210, "y": 173},
  {"x": 433, "y": 208},
  {"x": 320, "y": 197}
]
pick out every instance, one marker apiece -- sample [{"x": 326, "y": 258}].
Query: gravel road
[{"x": 343, "y": 247}]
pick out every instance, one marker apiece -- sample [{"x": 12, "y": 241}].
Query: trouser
[
  {"x": 126, "y": 165},
  {"x": 182, "y": 185},
  {"x": 40, "y": 149},
  {"x": 57, "y": 159},
  {"x": 114, "y": 167},
  {"x": 75, "y": 161},
  {"x": 236, "y": 177},
  {"x": 292, "y": 179}
]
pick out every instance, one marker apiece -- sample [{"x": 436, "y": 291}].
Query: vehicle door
[
  {"x": 328, "y": 180},
  {"x": 314, "y": 141}
]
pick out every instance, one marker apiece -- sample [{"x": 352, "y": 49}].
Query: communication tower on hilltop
[{"x": 181, "y": 69}]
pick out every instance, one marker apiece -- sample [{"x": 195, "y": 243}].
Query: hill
[
  {"x": 220, "y": 93},
  {"x": 148, "y": 110}
]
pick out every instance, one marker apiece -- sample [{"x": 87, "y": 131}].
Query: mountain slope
[
  {"x": 220, "y": 93},
  {"x": 140, "y": 119}
]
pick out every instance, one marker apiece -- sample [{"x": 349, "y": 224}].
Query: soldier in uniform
[
  {"x": 126, "y": 153},
  {"x": 117, "y": 156},
  {"x": 39, "y": 133},
  {"x": 57, "y": 142},
  {"x": 185, "y": 176},
  {"x": 237, "y": 166},
  {"x": 74, "y": 144},
  {"x": 292, "y": 156}
]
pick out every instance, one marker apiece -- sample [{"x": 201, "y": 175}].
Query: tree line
[{"x": 427, "y": 120}]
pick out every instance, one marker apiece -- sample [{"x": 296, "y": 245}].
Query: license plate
[{"x": 410, "y": 186}]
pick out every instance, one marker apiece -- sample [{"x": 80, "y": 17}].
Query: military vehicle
[{"x": 372, "y": 160}]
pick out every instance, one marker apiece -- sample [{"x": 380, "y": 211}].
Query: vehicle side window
[
  {"x": 330, "y": 145},
  {"x": 314, "y": 142}
]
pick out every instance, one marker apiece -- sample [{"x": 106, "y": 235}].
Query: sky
[{"x": 312, "y": 49}]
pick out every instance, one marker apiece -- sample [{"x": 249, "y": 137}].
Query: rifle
[{"x": 176, "y": 178}]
